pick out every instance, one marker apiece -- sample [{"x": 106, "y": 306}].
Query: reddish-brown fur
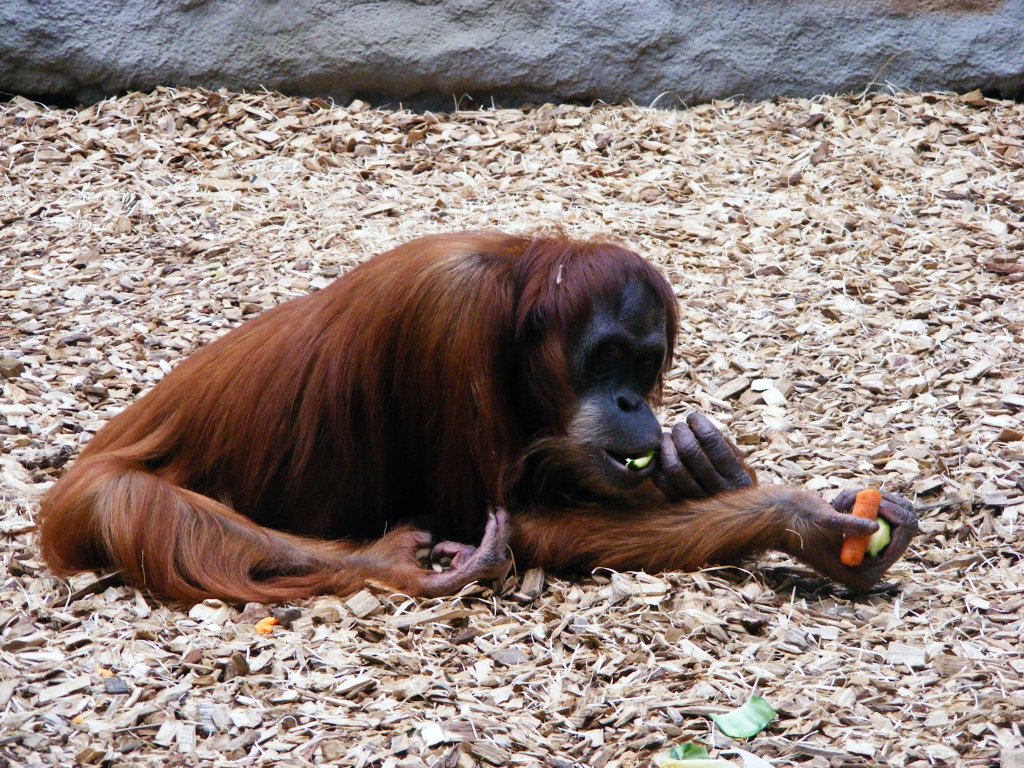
[{"x": 285, "y": 459}]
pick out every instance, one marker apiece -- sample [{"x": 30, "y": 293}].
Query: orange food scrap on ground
[
  {"x": 866, "y": 507},
  {"x": 266, "y": 626}
]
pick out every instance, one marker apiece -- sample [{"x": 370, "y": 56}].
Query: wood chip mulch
[{"x": 851, "y": 278}]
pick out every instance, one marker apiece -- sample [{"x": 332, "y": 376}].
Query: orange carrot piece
[
  {"x": 864, "y": 506},
  {"x": 266, "y": 626}
]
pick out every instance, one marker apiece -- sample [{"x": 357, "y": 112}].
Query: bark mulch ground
[{"x": 851, "y": 282}]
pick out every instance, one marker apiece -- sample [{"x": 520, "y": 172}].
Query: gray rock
[
  {"x": 115, "y": 686},
  {"x": 430, "y": 52}
]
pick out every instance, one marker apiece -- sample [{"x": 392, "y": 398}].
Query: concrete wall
[{"x": 425, "y": 51}]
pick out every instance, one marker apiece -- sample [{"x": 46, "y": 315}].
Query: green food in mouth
[
  {"x": 641, "y": 463},
  {"x": 879, "y": 539}
]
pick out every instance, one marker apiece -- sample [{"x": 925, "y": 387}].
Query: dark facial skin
[
  {"x": 615, "y": 362},
  {"x": 615, "y": 365}
]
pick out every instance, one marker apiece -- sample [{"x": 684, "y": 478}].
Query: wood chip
[
  {"x": 899, "y": 653},
  {"x": 363, "y": 604},
  {"x": 11, "y": 368},
  {"x": 55, "y": 692},
  {"x": 732, "y": 388},
  {"x": 533, "y": 583}
]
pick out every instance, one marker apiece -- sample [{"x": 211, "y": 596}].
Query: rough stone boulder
[{"x": 430, "y": 52}]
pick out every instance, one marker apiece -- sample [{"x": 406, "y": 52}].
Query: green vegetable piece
[
  {"x": 641, "y": 463},
  {"x": 880, "y": 539},
  {"x": 747, "y": 721},
  {"x": 688, "y": 751}
]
